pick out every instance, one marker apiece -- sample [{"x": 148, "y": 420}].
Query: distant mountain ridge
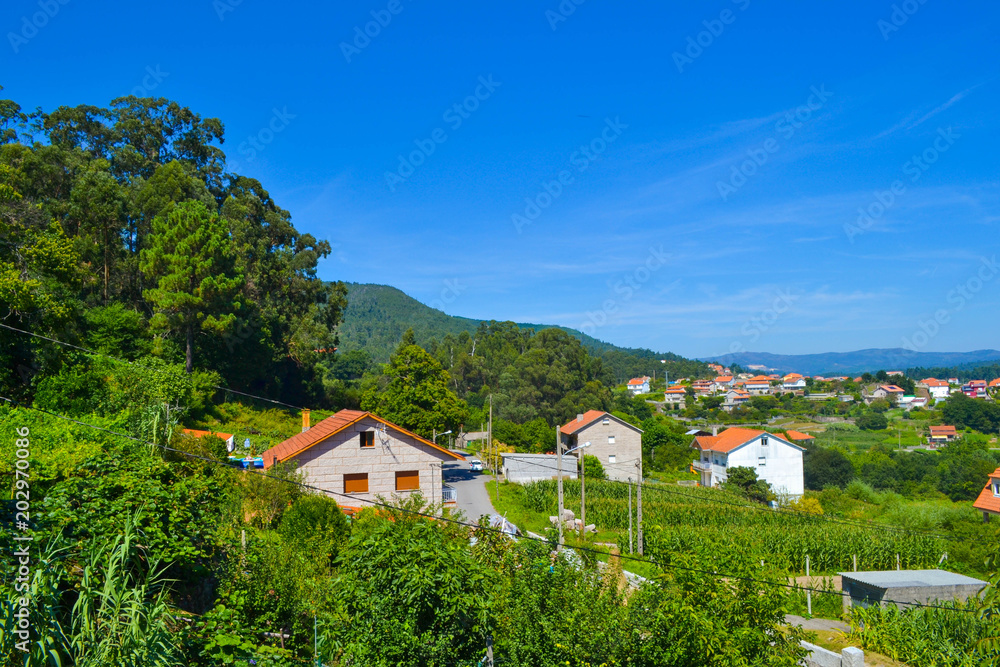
[
  {"x": 860, "y": 361},
  {"x": 377, "y": 316}
]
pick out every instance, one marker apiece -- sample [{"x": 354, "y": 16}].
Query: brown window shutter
[
  {"x": 356, "y": 482},
  {"x": 407, "y": 480}
]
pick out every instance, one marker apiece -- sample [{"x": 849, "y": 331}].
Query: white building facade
[{"x": 776, "y": 460}]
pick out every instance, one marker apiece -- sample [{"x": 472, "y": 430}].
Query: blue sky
[{"x": 680, "y": 176}]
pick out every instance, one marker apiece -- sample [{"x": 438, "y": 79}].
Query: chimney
[
  {"x": 579, "y": 418},
  {"x": 715, "y": 430},
  {"x": 305, "y": 421}
]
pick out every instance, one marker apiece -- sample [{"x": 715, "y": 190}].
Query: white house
[
  {"x": 793, "y": 382},
  {"x": 758, "y": 385},
  {"x": 776, "y": 460},
  {"x": 639, "y": 385},
  {"x": 938, "y": 389}
]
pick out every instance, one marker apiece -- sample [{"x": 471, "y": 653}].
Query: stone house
[
  {"x": 357, "y": 456},
  {"x": 616, "y": 443}
]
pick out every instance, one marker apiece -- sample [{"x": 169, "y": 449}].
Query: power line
[
  {"x": 137, "y": 364},
  {"x": 790, "y": 512},
  {"x": 499, "y": 531}
]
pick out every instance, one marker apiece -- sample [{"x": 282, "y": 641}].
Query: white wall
[{"x": 782, "y": 468}]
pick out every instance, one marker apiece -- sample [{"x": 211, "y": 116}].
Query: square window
[
  {"x": 761, "y": 461},
  {"x": 407, "y": 480},
  {"x": 763, "y": 441},
  {"x": 611, "y": 439},
  {"x": 606, "y": 421},
  {"x": 611, "y": 458},
  {"x": 367, "y": 439},
  {"x": 356, "y": 482}
]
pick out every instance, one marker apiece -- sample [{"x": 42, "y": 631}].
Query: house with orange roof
[
  {"x": 975, "y": 388},
  {"x": 988, "y": 501},
  {"x": 616, "y": 443},
  {"x": 703, "y": 387},
  {"x": 938, "y": 389},
  {"x": 941, "y": 434},
  {"x": 675, "y": 397},
  {"x": 723, "y": 382},
  {"x": 994, "y": 384},
  {"x": 735, "y": 398},
  {"x": 358, "y": 456},
  {"x": 228, "y": 438},
  {"x": 758, "y": 385},
  {"x": 639, "y": 385},
  {"x": 776, "y": 460},
  {"x": 888, "y": 392},
  {"x": 793, "y": 382}
]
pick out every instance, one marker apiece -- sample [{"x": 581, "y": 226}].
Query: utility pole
[
  {"x": 488, "y": 661},
  {"x": 638, "y": 502},
  {"x": 583, "y": 498},
  {"x": 496, "y": 454},
  {"x": 630, "y": 516},
  {"x": 559, "y": 483}
]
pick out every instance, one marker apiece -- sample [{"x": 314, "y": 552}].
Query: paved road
[
  {"x": 816, "y": 623},
  {"x": 471, "y": 487}
]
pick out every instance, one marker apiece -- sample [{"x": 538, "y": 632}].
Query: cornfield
[
  {"x": 677, "y": 524},
  {"x": 928, "y": 637}
]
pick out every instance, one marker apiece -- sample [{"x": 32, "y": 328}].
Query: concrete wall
[
  {"x": 820, "y": 657},
  {"x": 627, "y": 447},
  {"x": 864, "y": 595},
  {"x": 325, "y": 463}
]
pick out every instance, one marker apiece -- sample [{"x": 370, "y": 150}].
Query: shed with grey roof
[{"x": 906, "y": 587}]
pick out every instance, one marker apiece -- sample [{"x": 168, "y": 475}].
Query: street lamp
[{"x": 436, "y": 434}]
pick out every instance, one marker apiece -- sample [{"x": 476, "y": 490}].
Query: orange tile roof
[
  {"x": 796, "y": 435},
  {"x": 676, "y": 390},
  {"x": 942, "y": 430},
  {"x": 986, "y": 500},
  {"x": 300, "y": 442},
  {"x": 891, "y": 388},
  {"x": 995, "y": 383},
  {"x": 934, "y": 382},
  {"x": 589, "y": 417},
  {"x": 637, "y": 381},
  {"x": 793, "y": 376},
  {"x": 759, "y": 379},
  {"x": 731, "y": 439},
  {"x": 724, "y": 378},
  {"x": 201, "y": 434}
]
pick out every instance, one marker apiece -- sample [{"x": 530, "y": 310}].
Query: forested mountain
[
  {"x": 860, "y": 361},
  {"x": 377, "y": 316}
]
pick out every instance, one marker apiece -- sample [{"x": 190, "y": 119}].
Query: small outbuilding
[
  {"x": 522, "y": 468},
  {"x": 905, "y": 587}
]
